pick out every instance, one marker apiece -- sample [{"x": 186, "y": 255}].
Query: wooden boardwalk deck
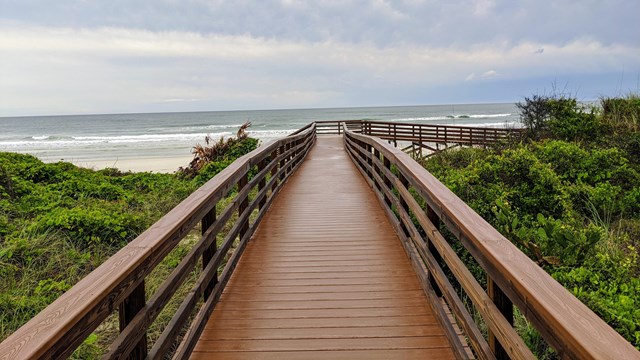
[{"x": 325, "y": 276}]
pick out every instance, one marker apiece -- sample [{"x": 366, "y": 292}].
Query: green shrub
[
  {"x": 83, "y": 225},
  {"x": 570, "y": 201}
]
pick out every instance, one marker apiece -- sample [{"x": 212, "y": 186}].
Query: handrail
[
  {"x": 119, "y": 282},
  {"x": 420, "y": 133},
  {"x": 513, "y": 279}
]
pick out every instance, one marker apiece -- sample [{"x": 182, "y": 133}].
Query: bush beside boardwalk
[
  {"x": 58, "y": 222},
  {"x": 569, "y": 197}
]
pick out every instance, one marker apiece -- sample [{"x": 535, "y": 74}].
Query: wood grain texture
[{"x": 324, "y": 276}]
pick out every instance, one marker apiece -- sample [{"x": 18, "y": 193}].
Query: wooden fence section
[
  {"x": 324, "y": 277},
  {"x": 422, "y": 136},
  {"x": 119, "y": 282},
  {"x": 419, "y": 206}
]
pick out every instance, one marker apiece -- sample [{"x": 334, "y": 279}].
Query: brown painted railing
[
  {"x": 421, "y": 134},
  {"x": 513, "y": 279},
  {"x": 445, "y": 134},
  {"x": 119, "y": 283}
]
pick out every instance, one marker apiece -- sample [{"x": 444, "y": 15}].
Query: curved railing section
[
  {"x": 119, "y": 283},
  {"x": 401, "y": 186}
]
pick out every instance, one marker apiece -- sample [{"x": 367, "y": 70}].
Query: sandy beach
[{"x": 152, "y": 164}]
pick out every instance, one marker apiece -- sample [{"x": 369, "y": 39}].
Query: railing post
[
  {"x": 387, "y": 182},
  {"x": 404, "y": 204},
  {"x": 274, "y": 170},
  {"x": 505, "y": 306},
  {"x": 484, "y": 137},
  {"x": 263, "y": 182},
  {"x": 445, "y": 137},
  {"x": 420, "y": 139},
  {"x": 435, "y": 220},
  {"x": 395, "y": 135},
  {"x": 244, "y": 203},
  {"x": 282, "y": 163},
  {"x": 128, "y": 310},
  {"x": 289, "y": 157},
  {"x": 376, "y": 168},
  {"x": 209, "y": 252},
  {"x": 368, "y": 148}
]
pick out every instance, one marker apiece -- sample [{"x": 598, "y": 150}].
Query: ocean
[{"x": 109, "y": 138}]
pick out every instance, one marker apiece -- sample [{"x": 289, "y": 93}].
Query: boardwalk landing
[{"x": 324, "y": 277}]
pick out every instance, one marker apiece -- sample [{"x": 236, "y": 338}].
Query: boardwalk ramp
[{"x": 324, "y": 276}]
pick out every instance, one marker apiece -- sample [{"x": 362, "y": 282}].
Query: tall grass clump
[
  {"x": 215, "y": 155},
  {"x": 622, "y": 112}
]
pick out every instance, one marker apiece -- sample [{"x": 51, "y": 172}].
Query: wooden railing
[
  {"x": 401, "y": 186},
  {"x": 444, "y": 134},
  {"x": 119, "y": 283},
  {"x": 421, "y": 135}
]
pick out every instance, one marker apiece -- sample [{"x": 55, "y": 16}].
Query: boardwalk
[{"x": 324, "y": 276}]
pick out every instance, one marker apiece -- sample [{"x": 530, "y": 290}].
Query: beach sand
[{"x": 155, "y": 164}]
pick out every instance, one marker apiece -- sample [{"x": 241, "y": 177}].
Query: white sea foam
[
  {"x": 270, "y": 134},
  {"x": 453, "y": 117},
  {"x": 80, "y": 141},
  {"x": 488, "y": 116}
]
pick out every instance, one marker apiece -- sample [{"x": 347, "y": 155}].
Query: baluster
[
  {"x": 282, "y": 163},
  {"x": 128, "y": 310},
  {"x": 209, "y": 252},
  {"x": 505, "y": 306}
]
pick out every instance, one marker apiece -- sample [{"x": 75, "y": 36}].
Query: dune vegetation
[
  {"x": 58, "y": 222},
  {"x": 568, "y": 195}
]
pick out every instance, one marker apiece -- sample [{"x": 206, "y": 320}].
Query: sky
[{"x": 121, "y": 56}]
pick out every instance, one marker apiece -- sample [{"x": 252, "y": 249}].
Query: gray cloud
[
  {"x": 149, "y": 55},
  {"x": 382, "y": 22}
]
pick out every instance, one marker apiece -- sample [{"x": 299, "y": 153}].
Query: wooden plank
[
  {"x": 332, "y": 322},
  {"x": 408, "y": 354},
  {"x": 426, "y": 342},
  {"x": 347, "y": 295},
  {"x": 343, "y": 332}
]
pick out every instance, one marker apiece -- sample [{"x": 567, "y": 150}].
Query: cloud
[
  {"x": 489, "y": 74},
  {"x": 66, "y": 70},
  {"x": 383, "y": 22}
]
